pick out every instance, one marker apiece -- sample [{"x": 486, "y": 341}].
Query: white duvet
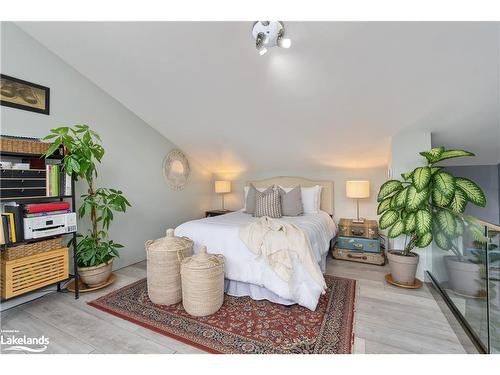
[{"x": 221, "y": 235}]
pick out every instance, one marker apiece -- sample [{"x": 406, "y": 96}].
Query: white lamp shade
[
  {"x": 357, "y": 189},
  {"x": 222, "y": 186}
]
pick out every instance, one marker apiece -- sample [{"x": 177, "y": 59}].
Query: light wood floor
[{"x": 388, "y": 319}]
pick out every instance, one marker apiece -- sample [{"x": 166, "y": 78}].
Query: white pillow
[{"x": 311, "y": 198}]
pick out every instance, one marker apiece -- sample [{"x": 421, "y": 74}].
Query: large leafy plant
[
  {"x": 84, "y": 152},
  {"x": 428, "y": 204}
]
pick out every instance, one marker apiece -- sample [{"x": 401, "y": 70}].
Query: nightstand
[
  {"x": 216, "y": 212},
  {"x": 358, "y": 242}
]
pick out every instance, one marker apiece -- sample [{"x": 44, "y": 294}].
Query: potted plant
[
  {"x": 426, "y": 205},
  {"x": 95, "y": 252}
]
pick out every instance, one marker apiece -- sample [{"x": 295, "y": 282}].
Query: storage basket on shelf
[
  {"x": 202, "y": 283},
  {"x": 163, "y": 267},
  {"x": 23, "y": 145},
  {"x": 24, "y": 250}
]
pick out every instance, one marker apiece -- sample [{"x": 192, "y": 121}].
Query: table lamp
[
  {"x": 357, "y": 189},
  {"x": 222, "y": 187}
]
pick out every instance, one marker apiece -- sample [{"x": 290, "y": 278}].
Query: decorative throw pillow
[
  {"x": 268, "y": 203},
  {"x": 251, "y": 197},
  {"x": 291, "y": 202}
]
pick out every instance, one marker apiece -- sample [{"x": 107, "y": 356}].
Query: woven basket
[
  {"x": 163, "y": 267},
  {"x": 24, "y": 146},
  {"x": 202, "y": 283},
  {"x": 24, "y": 250}
]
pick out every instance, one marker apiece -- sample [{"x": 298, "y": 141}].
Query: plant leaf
[
  {"x": 448, "y": 154},
  {"x": 388, "y": 188},
  {"x": 388, "y": 218},
  {"x": 398, "y": 200},
  {"x": 439, "y": 199},
  {"x": 442, "y": 241},
  {"x": 421, "y": 178},
  {"x": 406, "y": 176},
  {"x": 435, "y": 169},
  {"x": 445, "y": 183},
  {"x": 410, "y": 222},
  {"x": 423, "y": 222},
  {"x": 397, "y": 229},
  {"x": 424, "y": 240},
  {"x": 459, "y": 201},
  {"x": 432, "y": 154},
  {"x": 414, "y": 199},
  {"x": 473, "y": 193},
  {"x": 446, "y": 222}
]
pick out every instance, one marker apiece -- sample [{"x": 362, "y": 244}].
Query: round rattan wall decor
[{"x": 176, "y": 169}]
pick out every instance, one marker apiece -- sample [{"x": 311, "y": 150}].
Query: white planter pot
[
  {"x": 403, "y": 268},
  {"x": 97, "y": 275},
  {"x": 464, "y": 277}
]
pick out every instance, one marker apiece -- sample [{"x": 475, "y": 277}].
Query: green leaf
[
  {"x": 414, "y": 199},
  {"x": 410, "y": 222},
  {"x": 52, "y": 149},
  {"x": 388, "y": 188},
  {"x": 424, "y": 240},
  {"x": 397, "y": 229},
  {"x": 448, "y": 154},
  {"x": 442, "y": 241},
  {"x": 421, "y": 178},
  {"x": 446, "y": 222},
  {"x": 432, "y": 154},
  {"x": 423, "y": 222},
  {"x": 459, "y": 230},
  {"x": 388, "y": 218},
  {"x": 398, "y": 200},
  {"x": 445, "y": 183},
  {"x": 459, "y": 201},
  {"x": 434, "y": 170},
  {"x": 473, "y": 193},
  {"x": 439, "y": 199},
  {"x": 406, "y": 176}
]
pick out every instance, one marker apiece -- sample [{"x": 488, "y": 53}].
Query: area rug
[{"x": 243, "y": 325}]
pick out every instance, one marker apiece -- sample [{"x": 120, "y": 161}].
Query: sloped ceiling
[{"x": 334, "y": 98}]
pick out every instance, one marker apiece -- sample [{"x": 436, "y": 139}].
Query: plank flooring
[{"x": 388, "y": 319}]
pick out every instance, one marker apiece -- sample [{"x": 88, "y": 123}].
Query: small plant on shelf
[
  {"x": 428, "y": 204},
  {"x": 95, "y": 251}
]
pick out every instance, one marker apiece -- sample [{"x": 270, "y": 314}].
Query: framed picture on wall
[{"x": 20, "y": 94}]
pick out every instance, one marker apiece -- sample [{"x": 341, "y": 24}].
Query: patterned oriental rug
[{"x": 243, "y": 325}]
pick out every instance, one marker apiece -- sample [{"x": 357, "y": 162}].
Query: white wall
[
  {"x": 343, "y": 207},
  {"x": 134, "y": 151},
  {"x": 405, "y": 148}
]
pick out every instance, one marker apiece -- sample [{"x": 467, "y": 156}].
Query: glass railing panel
[
  {"x": 462, "y": 274},
  {"x": 493, "y": 259}
]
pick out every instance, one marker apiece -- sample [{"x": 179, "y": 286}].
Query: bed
[{"x": 248, "y": 275}]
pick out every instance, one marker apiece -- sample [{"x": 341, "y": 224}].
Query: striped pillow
[{"x": 268, "y": 203}]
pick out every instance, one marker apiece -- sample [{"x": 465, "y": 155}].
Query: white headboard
[{"x": 326, "y": 193}]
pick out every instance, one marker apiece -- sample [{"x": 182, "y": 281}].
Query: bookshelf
[{"x": 26, "y": 198}]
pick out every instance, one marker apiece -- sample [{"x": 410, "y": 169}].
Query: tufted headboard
[{"x": 326, "y": 193}]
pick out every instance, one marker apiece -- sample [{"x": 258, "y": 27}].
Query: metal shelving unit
[{"x": 41, "y": 199}]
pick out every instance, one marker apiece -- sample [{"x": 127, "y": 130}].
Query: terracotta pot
[
  {"x": 403, "y": 268},
  {"x": 464, "y": 277},
  {"x": 97, "y": 275}
]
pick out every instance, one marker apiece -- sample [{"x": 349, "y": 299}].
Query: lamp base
[{"x": 358, "y": 221}]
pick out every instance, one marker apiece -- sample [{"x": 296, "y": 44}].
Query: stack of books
[{"x": 57, "y": 183}]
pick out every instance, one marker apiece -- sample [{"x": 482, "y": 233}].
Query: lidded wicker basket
[
  {"x": 202, "y": 283},
  {"x": 163, "y": 267}
]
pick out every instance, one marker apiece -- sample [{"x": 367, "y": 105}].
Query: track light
[{"x": 269, "y": 34}]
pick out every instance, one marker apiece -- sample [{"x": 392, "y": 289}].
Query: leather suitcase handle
[{"x": 357, "y": 257}]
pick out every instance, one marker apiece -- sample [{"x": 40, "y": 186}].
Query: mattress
[{"x": 248, "y": 274}]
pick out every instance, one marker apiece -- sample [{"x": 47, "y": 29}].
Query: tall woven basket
[
  {"x": 202, "y": 283},
  {"x": 163, "y": 267}
]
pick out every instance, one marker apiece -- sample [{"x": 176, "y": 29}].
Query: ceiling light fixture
[{"x": 269, "y": 34}]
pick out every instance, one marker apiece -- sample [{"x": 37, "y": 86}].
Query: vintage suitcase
[
  {"x": 368, "y": 229},
  {"x": 359, "y": 256},
  {"x": 359, "y": 244}
]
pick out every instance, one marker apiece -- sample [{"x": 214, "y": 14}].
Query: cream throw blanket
[{"x": 278, "y": 242}]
